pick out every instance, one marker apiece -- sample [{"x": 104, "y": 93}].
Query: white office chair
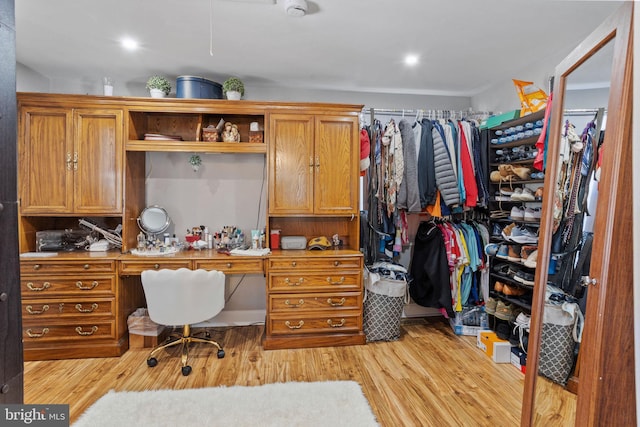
[{"x": 183, "y": 297}]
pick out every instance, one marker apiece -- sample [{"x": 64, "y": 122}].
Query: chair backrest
[{"x": 183, "y": 296}]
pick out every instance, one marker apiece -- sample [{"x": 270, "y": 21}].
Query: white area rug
[{"x": 330, "y": 403}]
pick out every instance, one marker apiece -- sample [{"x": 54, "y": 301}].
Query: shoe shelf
[
  {"x": 512, "y": 201},
  {"x": 517, "y": 221},
  {"x": 524, "y": 141},
  {"x": 520, "y": 302},
  {"x": 513, "y": 162}
]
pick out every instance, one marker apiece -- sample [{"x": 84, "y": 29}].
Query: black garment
[
  {"x": 426, "y": 168},
  {"x": 430, "y": 270}
]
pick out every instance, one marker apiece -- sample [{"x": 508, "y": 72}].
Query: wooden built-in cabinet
[
  {"x": 84, "y": 156},
  {"x": 70, "y": 161},
  {"x": 75, "y": 307},
  {"x": 313, "y": 165}
]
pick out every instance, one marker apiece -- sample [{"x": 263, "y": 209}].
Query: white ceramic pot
[
  {"x": 234, "y": 95},
  {"x": 156, "y": 93}
]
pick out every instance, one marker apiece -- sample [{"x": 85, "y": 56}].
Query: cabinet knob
[
  {"x": 86, "y": 266},
  {"x": 156, "y": 266},
  {"x": 4, "y": 296},
  {"x": 37, "y": 267},
  {"x": 229, "y": 265},
  {"x": 293, "y": 264},
  {"x": 4, "y": 389},
  {"x": 336, "y": 263}
]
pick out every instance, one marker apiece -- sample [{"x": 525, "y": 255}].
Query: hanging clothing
[
  {"x": 427, "y": 175},
  {"x": 409, "y": 192},
  {"x": 468, "y": 174},
  {"x": 429, "y": 269},
  {"x": 444, "y": 174}
]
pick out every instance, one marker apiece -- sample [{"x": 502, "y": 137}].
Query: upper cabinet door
[
  {"x": 46, "y": 161},
  {"x": 98, "y": 161},
  {"x": 336, "y": 160},
  {"x": 291, "y": 164}
]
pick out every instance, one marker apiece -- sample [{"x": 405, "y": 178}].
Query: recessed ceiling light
[
  {"x": 129, "y": 43},
  {"x": 411, "y": 60}
]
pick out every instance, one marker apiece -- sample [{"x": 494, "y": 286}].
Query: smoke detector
[{"x": 295, "y": 7}]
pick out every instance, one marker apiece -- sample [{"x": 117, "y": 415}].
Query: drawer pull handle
[
  {"x": 293, "y": 264},
  {"x": 80, "y": 286},
  {"x": 94, "y": 306},
  {"x": 45, "y": 285},
  {"x": 30, "y": 309},
  {"x": 336, "y": 304},
  {"x": 290, "y": 326},
  {"x": 290, "y": 283},
  {"x": 337, "y": 325},
  {"x": 339, "y": 282},
  {"x": 31, "y": 334},
  {"x": 37, "y": 267},
  {"x": 86, "y": 266},
  {"x": 336, "y": 263},
  {"x": 93, "y": 330},
  {"x": 156, "y": 266},
  {"x": 229, "y": 265},
  {"x": 299, "y": 304}
]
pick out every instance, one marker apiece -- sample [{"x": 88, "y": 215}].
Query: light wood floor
[{"x": 430, "y": 377}]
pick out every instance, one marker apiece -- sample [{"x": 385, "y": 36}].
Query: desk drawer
[
  {"x": 78, "y": 330},
  {"x": 39, "y": 287},
  {"x": 302, "y": 282},
  {"x": 232, "y": 265},
  {"x": 64, "y": 267},
  {"x": 310, "y": 323},
  {"x": 135, "y": 268},
  {"x": 313, "y": 263},
  {"x": 338, "y": 301},
  {"x": 41, "y": 308}
]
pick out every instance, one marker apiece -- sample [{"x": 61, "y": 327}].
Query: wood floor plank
[{"x": 430, "y": 377}]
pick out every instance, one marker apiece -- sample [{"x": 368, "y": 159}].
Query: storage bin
[
  {"x": 144, "y": 332},
  {"x": 197, "y": 87},
  {"x": 383, "y": 304}
]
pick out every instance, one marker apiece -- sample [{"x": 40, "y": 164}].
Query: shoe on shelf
[
  {"x": 525, "y": 278},
  {"x": 512, "y": 290},
  {"x": 498, "y": 286},
  {"x": 499, "y": 197},
  {"x": 506, "y": 232},
  {"x": 517, "y": 213},
  {"x": 531, "y": 214},
  {"x": 504, "y": 311},
  {"x": 522, "y": 235},
  {"x": 527, "y": 195},
  {"x": 539, "y": 192},
  {"x": 491, "y": 249},
  {"x": 501, "y": 268},
  {"x": 527, "y": 250},
  {"x": 521, "y": 172},
  {"x": 516, "y": 193},
  {"x": 502, "y": 252},
  {"x": 506, "y": 191},
  {"x": 490, "y": 306},
  {"x": 496, "y": 230},
  {"x": 514, "y": 253},
  {"x": 532, "y": 259}
]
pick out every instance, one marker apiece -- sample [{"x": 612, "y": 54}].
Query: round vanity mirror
[{"x": 154, "y": 220}]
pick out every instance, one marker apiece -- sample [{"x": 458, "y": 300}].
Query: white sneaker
[
  {"x": 517, "y": 193},
  {"x": 523, "y": 235},
  {"x": 527, "y": 195},
  {"x": 531, "y": 214},
  {"x": 532, "y": 260},
  {"x": 517, "y": 213}
]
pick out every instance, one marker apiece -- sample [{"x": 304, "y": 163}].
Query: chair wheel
[
  {"x": 186, "y": 370},
  {"x": 220, "y": 354},
  {"x": 152, "y": 362}
]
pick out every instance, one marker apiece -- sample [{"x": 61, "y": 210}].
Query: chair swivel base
[{"x": 184, "y": 341}]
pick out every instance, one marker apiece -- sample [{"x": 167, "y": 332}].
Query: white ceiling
[{"x": 465, "y": 46}]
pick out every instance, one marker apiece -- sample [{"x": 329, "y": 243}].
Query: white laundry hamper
[{"x": 384, "y": 301}]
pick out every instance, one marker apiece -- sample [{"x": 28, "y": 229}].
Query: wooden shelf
[{"x": 197, "y": 146}]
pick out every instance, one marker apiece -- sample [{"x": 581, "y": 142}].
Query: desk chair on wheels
[{"x": 183, "y": 297}]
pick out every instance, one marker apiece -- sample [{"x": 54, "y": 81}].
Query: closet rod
[
  {"x": 581, "y": 111},
  {"x": 448, "y": 113}
]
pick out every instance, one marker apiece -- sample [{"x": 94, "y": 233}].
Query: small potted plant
[
  {"x": 158, "y": 86},
  {"x": 233, "y": 88}
]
